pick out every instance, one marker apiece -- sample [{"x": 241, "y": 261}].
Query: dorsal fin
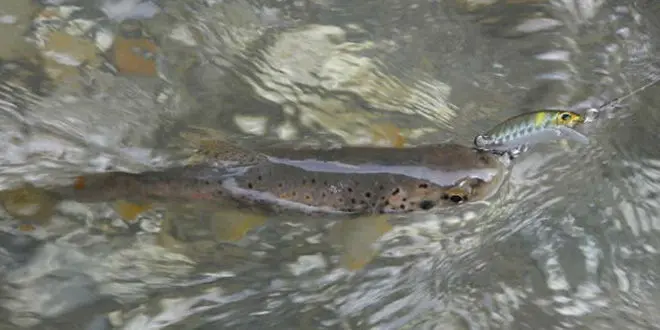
[{"x": 209, "y": 146}]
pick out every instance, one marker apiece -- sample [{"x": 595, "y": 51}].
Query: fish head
[
  {"x": 568, "y": 119},
  {"x": 470, "y": 176},
  {"x": 470, "y": 189},
  {"x": 474, "y": 189}
]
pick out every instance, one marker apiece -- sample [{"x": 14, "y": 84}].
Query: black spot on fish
[
  {"x": 353, "y": 200},
  {"x": 250, "y": 185},
  {"x": 308, "y": 197},
  {"x": 402, "y": 206},
  {"x": 313, "y": 181},
  {"x": 323, "y": 195},
  {"x": 423, "y": 185},
  {"x": 367, "y": 194},
  {"x": 404, "y": 200},
  {"x": 325, "y": 183},
  {"x": 293, "y": 193},
  {"x": 426, "y": 204},
  {"x": 395, "y": 191},
  {"x": 341, "y": 200},
  {"x": 280, "y": 185},
  {"x": 350, "y": 189},
  {"x": 445, "y": 196},
  {"x": 387, "y": 203},
  {"x": 373, "y": 204},
  {"x": 259, "y": 178}
]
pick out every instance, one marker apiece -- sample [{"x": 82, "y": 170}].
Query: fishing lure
[
  {"x": 532, "y": 128},
  {"x": 514, "y": 135}
]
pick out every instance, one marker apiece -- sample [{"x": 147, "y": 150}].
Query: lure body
[{"x": 532, "y": 128}]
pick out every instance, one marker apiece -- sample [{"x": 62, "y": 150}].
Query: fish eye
[{"x": 456, "y": 198}]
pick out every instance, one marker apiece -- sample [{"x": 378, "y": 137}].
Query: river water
[{"x": 570, "y": 242}]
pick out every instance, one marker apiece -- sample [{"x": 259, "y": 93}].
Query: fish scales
[
  {"x": 522, "y": 124},
  {"x": 373, "y": 180}
]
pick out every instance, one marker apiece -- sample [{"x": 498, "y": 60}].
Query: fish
[
  {"x": 350, "y": 183},
  {"x": 344, "y": 181},
  {"x": 532, "y": 128}
]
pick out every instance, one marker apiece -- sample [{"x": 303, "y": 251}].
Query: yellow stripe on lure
[{"x": 532, "y": 128}]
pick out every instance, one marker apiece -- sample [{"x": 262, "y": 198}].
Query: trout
[{"x": 347, "y": 181}]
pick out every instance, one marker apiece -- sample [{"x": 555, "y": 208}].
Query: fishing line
[{"x": 592, "y": 113}]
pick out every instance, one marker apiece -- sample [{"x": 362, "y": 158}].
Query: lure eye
[{"x": 565, "y": 117}]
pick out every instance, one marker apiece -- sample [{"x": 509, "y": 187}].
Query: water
[{"x": 571, "y": 241}]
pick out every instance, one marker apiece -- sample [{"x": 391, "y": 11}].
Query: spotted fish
[
  {"x": 371, "y": 180},
  {"x": 346, "y": 182},
  {"x": 350, "y": 180},
  {"x": 532, "y": 128}
]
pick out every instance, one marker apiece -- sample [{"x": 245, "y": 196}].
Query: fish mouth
[
  {"x": 479, "y": 188},
  {"x": 469, "y": 189}
]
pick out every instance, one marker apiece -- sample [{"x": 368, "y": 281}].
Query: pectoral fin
[
  {"x": 357, "y": 237},
  {"x": 233, "y": 225},
  {"x": 165, "y": 238},
  {"x": 129, "y": 211},
  {"x": 389, "y": 132}
]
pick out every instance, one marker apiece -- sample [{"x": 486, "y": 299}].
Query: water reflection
[{"x": 570, "y": 241}]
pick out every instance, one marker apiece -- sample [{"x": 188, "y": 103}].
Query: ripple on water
[{"x": 570, "y": 242}]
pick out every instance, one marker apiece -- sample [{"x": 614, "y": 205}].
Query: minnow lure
[
  {"x": 532, "y": 128},
  {"x": 515, "y": 134}
]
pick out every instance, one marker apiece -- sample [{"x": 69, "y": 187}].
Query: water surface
[{"x": 570, "y": 242}]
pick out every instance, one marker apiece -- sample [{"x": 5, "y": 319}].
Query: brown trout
[
  {"x": 347, "y": 181},
  {"x": 350, "y": 180}
]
